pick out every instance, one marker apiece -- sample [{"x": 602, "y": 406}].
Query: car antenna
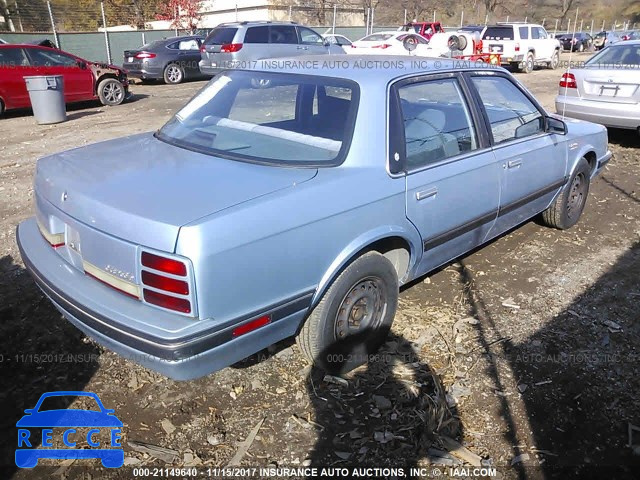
[{"x": 566, "y": 86}]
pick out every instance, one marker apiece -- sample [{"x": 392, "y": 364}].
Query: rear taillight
[
  {"x": 517, "y": 47},
  {"x": 477, "y": 46},
  {"x": 143, "y": 55},
  {"x": 383, "y": 46},
  {"x": 568, "y": 80},
  {"x": 203, "y": 49},
  {"x": 230, "y": 47},
  {"x": 163, "y": 264},
  {"x": 165, "y": 282}
]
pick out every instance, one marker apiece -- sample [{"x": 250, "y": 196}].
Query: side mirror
[
  {"x": 82, "y": 65},
  {"x": 326, "y": 42},
  {"x": 555, "y": 125}
]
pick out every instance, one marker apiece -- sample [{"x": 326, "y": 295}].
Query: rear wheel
[
  {"x": 173, "y": 74},
  {"x": 527, "y": 66},
  {"x": 111, "y": 92},
  {"x": 566, "y": 210},
  {"x": 354, "y": 316}
]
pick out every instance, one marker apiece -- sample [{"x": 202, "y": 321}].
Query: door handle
[
  {"x": 514, "y": 163},
  {"x": 426, "y": 193}
]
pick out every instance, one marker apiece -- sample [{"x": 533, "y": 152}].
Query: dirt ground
[{"x": 526, "y": 351}]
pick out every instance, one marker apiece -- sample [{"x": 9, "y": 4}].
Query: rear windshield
[
  {"x": 377, "y": 37},
  {"x": 617, "y": 55},
  {"x": 499, "y": 33},
  {"x": 272, "y": 118},
  {"x": 221, "y": 36}
]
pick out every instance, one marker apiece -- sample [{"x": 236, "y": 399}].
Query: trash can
[{"x": 47, "y": 98}]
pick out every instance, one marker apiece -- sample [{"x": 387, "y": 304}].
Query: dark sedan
[
  {"x": 170, "y": 59},
  {"x": 576, "y": 42}
]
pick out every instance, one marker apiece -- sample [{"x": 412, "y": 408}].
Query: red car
[
  {"x": 83, "y": 80},
  {"x": 426, "y": 29}
]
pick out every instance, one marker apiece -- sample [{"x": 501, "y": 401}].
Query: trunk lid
[
  {"x": 143, "y": 190},
  {"x": 620, "y": 85}
]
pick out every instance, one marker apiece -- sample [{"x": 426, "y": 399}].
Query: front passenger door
[
  {"x": 452, "y": 178},
  {"x": 533, "y": 161}
]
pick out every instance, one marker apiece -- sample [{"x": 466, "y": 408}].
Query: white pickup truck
[{"x": 522, "y": 45}]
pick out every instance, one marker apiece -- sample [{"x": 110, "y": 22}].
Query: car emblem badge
[{"x": 64, "y": 196}]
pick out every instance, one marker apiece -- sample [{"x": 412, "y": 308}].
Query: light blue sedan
[{"x": 295, "y": 199}]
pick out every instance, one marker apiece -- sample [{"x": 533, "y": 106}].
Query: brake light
[
  {"x": 517, "y": 47},
  {"x": 568, "y": 80},
  {"x": 165, "y": 283},
  {"x": 203, "y": 49},
  {"x": 230, "y": 47},
  {"x": 383, "y": 46},
  {"x": 165, "y": 301},
  {"x": 252, "y": 325},
  {"x": 163, "y": 264},
  {"x": 143, "y": 55}
]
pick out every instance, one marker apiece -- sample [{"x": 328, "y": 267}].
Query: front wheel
[
  {"x": 111, "y": 92},
  {"x": 555, "y": 60},
  {"x": 565, "y": 211},
  {"x": 354, "y": 316}
]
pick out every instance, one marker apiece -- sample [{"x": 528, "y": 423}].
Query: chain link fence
[{"x": 102, "y": 30}]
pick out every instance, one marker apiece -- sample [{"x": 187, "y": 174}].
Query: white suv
[{"x": 522, "y": 45}]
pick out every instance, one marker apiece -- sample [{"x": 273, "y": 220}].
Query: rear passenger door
[
  {"x": 452, "y": 177},
  {"x": 533, "y": 162}
]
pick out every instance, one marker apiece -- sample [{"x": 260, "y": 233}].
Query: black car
[
  {"x": 170, "y": 59},
  {"x": 576, "y": 42}
]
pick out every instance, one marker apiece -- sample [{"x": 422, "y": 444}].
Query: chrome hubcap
[
  {"x": 112, "y": 92},
  {"x": 363, "y": 308},
  {"x": 174, "y": 74}
]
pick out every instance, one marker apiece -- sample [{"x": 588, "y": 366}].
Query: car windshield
[
  {"x": 377, "y": 37},
  {"x": 616, "y": 55},
  {"x": 499, "y": 33},
  {"x": 63, "y": 402},
  {"x": 266, "y": 117}
]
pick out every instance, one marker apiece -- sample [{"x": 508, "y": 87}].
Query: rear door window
[
  {"x": 524, "y": 33},
  {"x": 257, "y": 35},
  {"x": 283, "y": 34},
  {"x": 50, "y": 58},
  {"x": 13, "y": 57},
  {"x": 221, "y": 36}
]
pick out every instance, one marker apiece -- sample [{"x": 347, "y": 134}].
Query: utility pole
[
  {"x": 53, "y": 25},
  {"x": 106, "y": 34}
]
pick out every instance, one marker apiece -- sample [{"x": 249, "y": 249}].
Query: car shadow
[
  {"x": 624, "y": 138},
  {"x": 391, "y": 412},
  {"x": 39, "y": 352},
  {"x": 580, "y": 376}
]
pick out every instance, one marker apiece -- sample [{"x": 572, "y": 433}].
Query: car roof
[
  {"x": 256, "y": 22},
  {"x": 354, "y": 67}
]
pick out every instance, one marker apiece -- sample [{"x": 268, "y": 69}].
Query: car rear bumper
[
  {"x": 616, "y": 115},
  {"x": 114, "y": 320},
  {"x": 137, "y": 70},
  {"x": 206, "y": 68}
]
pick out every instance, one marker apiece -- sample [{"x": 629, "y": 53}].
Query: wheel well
[
  {"x": 395, "y": 249},
  {"x": 592, "y": 159},
  {"x": 104, "y": 77},
  {"x": 2, "y": 106}
]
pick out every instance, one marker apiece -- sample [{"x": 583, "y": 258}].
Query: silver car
[
  {"x": 241, "y": 44},
  {"x": 297, "y": 208},
  {"x": 606, "y": 89}
]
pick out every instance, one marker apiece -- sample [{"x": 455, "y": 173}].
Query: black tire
[
  {"x": 173, "y": 74},
  {"x": 555, "y": 60},
  {"x": 111, "y": 92},
  {"x": 353, "y": 317},
  {"x": 515, "y": 66},
  {"x": 565, "y": 211},
  {"x": 528, "y": 64},
  {"x": 1, "y": 107}
]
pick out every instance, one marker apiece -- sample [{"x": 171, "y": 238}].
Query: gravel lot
[{"x": 526, "y": 351}]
